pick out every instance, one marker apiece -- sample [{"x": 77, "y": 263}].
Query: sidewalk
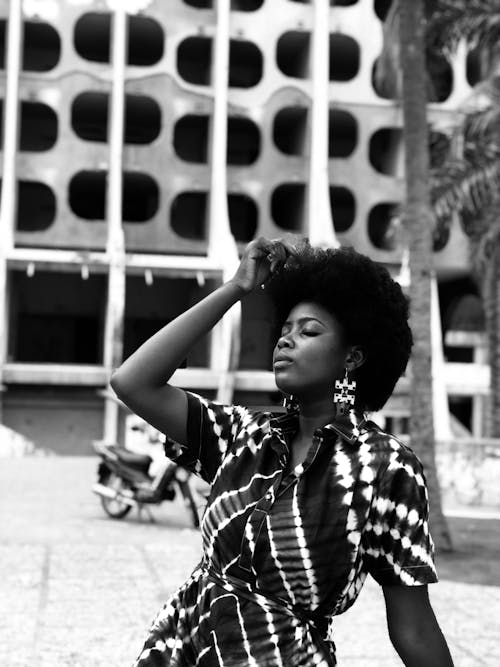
[{"x": 79, "y": 590}]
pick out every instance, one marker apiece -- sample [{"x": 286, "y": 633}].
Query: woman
[{"x": 303, "y": 506}]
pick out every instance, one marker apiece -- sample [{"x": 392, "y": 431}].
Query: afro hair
[{"x": 366, "y": 301}]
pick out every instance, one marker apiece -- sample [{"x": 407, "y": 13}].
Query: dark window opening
[
  {"x": 474, "y": 68},
  {"x": 246, "y": 5},
  {"x": 194, "y": 58},
  {"x": 342, "y": 133},
  {"x": 57, "y": 318},
  {"x": 440, "y": 237},
  {"x": 243, "y": 141},
  {"x": 243, "y": 217},
  {"x": 146, "y": 41},
  {"x": 385, "y": 150},
  {"x": 191, "y": 138},
  {"x": 343, "y": 208},
  {"x": 293, "y": 54},
  {"x": 42, "y": 47},
  {"x": 149, "y": 307},
  {"x": 92, "y": 39},
  {"x": 383, "y": 226},
  {"x": 381, "y": 8},
  {"x": 245, "y": 64},
  {"x": 38, "y": 126},
  {"x": 89, "y": 118},
  {"x": 287, "y": 206},
  {"x": 36, "y": 206},
  {"x": 188, "y": 215},
  {"x": 461, "y": 408},
  {"x": 141, "y": 195},
  {"x": 92, "y": 36},
  {"x": 439, "y": 147},
  {"x": 87, "y": 191},
  {"x": 333, "y": 3},
  {"x": 142, "y": 119},
  {"x": 290, "y": 130},
  {"x": 87, "y": 196},
  {"x": 439, "y": 79},
  {"x": 199, "y": 4},
  {"x": 344, "y": 57}
]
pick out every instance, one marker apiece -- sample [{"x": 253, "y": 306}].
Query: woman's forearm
[{"x": 156, "y": 360}]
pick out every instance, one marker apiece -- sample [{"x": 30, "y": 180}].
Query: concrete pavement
[{"x": 79, "y": 590}]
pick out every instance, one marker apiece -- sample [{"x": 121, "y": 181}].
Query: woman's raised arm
[{"x": 141, "y": 382}]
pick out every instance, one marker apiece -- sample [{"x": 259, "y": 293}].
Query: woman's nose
[{"x": 284, "y": 341}]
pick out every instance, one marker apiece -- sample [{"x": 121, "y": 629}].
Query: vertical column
[
  {"x": 221, "y": 244},
  {"x": 115, "y": 309},
  {"x": 442, "y": 427},
  {"x": 8, "y": 202},
  {"x": 320, "y": 223},
  {"x": 479, "y": 401}
]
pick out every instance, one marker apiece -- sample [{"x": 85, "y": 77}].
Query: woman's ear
[{"x": 355, "y": 358}]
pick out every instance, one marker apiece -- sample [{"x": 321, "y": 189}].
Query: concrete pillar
[
  {"x": 115, "y": 308},
  {"x": 221, "y": 244},
  {"x": 442, "y": 427},
  {"x": 320, "y": 222},
  {"x": 8, "y": 204}
]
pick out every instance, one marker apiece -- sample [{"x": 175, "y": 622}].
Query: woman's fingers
[{"x": 279, "y": 253}]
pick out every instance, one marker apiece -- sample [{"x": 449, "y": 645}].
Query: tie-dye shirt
[{"x": 286, "y": 550}]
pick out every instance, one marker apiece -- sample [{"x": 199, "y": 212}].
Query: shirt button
[{"x": 268, "y": 495}]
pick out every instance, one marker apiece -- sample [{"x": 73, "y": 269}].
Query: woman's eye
[{"x": 310, "y": 333}]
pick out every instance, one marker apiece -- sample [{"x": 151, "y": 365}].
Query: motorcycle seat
[{"x": 141, "y": 461}]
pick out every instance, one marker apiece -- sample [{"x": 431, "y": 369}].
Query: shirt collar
[{"x": 347, "y": 426}]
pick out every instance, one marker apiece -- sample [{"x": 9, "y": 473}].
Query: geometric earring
[{"x": 345, "y": 396}]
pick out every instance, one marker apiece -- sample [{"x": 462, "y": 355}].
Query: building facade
[{"x": 137, "y": 135}]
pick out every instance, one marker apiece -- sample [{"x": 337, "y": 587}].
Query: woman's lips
[{"x": 282, "y": 363}]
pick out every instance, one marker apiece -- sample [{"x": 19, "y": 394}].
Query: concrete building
[{"x": 128, "y": 155}]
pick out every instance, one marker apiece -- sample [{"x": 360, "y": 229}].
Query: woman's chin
[{"x": 284, "y": 384}]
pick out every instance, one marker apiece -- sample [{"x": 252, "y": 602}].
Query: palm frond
[
  {"x": 451, "y": 21},
  {"x": 467, "y": 187}
]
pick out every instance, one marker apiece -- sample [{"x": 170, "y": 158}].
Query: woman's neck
[{"x": 314, "y": 415}]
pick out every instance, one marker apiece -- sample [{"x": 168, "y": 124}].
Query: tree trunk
[
  {"x": 418, "y": 227},
  {"x": 484, "y": 249},
  {"x": 491, "y": 295}
]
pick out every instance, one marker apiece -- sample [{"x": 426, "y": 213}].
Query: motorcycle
[{"x": 124, "y": 481}]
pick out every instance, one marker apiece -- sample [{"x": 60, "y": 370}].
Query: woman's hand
[{"x": 260, "y": 259}]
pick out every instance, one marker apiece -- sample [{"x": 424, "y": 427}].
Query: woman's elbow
[
  {"x": 421, "y": 644},
  {"x": 119, "y": 384}
]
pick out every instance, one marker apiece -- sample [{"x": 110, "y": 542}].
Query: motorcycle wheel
[
  {"x": 114, "y": 507},
  {"x": 187, "y": 494}
]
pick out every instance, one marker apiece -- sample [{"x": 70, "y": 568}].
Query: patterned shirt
[{"x": 286, "y": 550}]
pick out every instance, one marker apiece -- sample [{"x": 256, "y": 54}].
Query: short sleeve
[
  {"x": 398, "y": 548},
  {"x": 211, "y": 430}
]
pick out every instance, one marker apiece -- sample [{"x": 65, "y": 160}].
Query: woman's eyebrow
[{"x": 303, "y": 320}]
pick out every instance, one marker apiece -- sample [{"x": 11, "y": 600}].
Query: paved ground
[{"x": 79, "y": 590}]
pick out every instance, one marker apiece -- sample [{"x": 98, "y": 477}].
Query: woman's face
[{"x": 310, "y": 353}]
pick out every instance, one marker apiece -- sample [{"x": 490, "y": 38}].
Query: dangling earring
[
  {"x": 346, "y": 395},
  {"x": 290, "y": 404}
]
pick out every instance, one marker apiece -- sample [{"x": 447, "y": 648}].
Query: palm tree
[
  {"x": 466, "y": 177},
  {"x": 418, "y": 224}
]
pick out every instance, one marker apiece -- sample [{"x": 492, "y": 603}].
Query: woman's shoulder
[
  {"x": 233, "y": 415},
  {"x": 388, "y": 448}
]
